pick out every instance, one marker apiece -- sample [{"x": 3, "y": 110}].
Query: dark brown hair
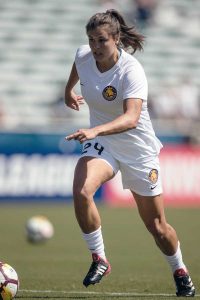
[{"x": 128, "y": 35}]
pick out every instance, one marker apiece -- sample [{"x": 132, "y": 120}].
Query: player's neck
[{"x": 108, "y": 64}]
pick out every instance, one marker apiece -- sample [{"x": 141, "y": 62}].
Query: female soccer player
[{"x": 120, "y": 137}]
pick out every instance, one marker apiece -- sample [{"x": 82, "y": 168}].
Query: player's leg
[
  {"x": 90, "y": 174},
  {"x": 151, "y": 210},
  {"x": 152, "y": 213}
]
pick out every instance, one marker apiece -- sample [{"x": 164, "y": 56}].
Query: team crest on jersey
[
  {"x": 109, "y": 93},
  {"x": 153, "y": 175}
]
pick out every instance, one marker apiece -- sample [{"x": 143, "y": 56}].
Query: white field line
[{"x": 103, "y": 293}]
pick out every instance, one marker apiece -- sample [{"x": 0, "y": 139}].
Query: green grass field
[{"x": 55, "y": 270}]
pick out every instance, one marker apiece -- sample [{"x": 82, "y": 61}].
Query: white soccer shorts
[{"x": 143, "y": 178}]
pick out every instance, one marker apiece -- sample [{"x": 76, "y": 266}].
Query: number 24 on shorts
[{"x": 96, "y": 146}]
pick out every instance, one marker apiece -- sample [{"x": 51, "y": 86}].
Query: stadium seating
[
  {"x": 38, "y": 40},
  {"x": 173, "y": 43}
]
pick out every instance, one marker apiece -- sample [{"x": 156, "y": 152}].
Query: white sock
[
  {"x": 176, "y": 261},
  {"x": 95, "y": 243}
]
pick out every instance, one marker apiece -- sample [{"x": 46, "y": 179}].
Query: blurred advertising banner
[
  {"x": 36, "y": 175},
  {"x": 180, "y": 169},
  {"x": 37, "y": 167}
]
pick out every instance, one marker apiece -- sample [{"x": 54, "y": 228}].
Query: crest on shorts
[
  {"x": 153, "y": 176},
  {"x": 109, "y": 93}
]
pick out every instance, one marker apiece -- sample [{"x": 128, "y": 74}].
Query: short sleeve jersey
[{"x": 105, "y": 92}]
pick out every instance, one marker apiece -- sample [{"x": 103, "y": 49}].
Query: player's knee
[
  {"x": 157, "y": 228},
  {"x": 82, "y": 193}
]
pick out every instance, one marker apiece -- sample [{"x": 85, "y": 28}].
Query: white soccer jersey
[{"x": 105, "y": 92}]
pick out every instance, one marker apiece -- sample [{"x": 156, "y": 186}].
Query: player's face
[{"x": 103, "y": 45}]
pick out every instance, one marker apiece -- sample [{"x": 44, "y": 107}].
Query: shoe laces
[
  {"x": 95, "y": 257},
  {"x": 95, "y": 264},
  {"x": 180, "y": 273}
]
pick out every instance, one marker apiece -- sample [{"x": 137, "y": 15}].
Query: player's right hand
[{"x": 74, "y": 101}]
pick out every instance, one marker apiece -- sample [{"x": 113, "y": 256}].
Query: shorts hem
[
  {"x": 148, "y": 193},
  {"x": 94, "y": 156}
]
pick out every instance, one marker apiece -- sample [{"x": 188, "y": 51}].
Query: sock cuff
[{"x": 91, "y": 234}]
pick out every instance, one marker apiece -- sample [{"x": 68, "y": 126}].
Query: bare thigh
[
  {"x": 150, "y": 207},
  {"x": 90, "y": 174}
]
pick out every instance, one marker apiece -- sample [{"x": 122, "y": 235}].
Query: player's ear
[{"x": 117, "y": 39}]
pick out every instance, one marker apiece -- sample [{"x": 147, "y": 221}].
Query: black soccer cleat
[
  {"x": 98, "y": 269},
  {"x": 184, "y": 285}
]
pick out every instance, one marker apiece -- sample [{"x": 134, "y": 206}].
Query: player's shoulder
[
  {"x": 83, "y": 53},
  {"x": 130, "y": 62}
]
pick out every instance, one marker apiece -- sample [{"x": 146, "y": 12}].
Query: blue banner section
[
  {"x": 30, "y": 143},
  {"x": 37, "y": 167}
]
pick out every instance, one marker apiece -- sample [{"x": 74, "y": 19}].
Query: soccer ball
[
  {"x": 39, "y": 229},
  {"x": 9, "y": 282}
]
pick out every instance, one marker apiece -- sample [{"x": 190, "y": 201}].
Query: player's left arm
[{"x": 128, "y": 120}]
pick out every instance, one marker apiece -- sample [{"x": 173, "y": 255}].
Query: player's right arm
[{"x": 71, "y": 99}]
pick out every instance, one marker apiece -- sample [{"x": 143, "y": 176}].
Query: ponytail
[{"x": 129, "y": 36}]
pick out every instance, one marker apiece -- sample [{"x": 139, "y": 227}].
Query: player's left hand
[{"x": 82, "y": 135}]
